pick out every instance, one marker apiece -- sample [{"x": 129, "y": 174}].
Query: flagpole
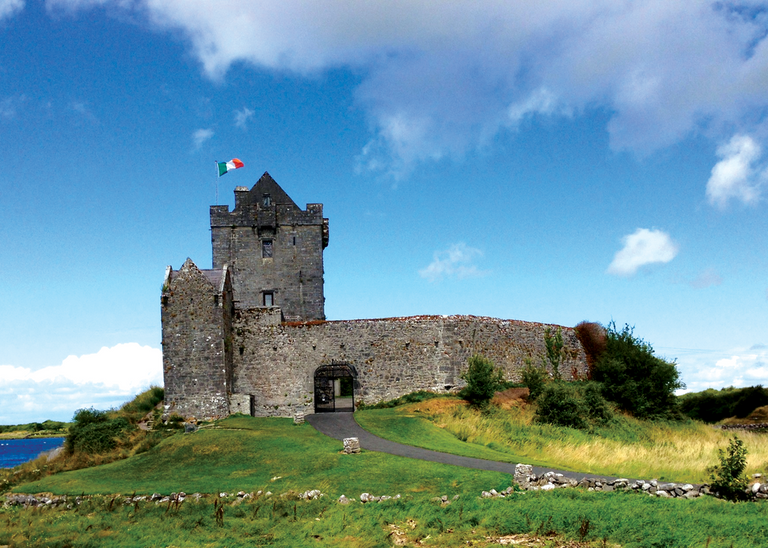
[{"x": 218, "y": 176}]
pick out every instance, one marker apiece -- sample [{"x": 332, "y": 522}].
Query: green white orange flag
[{"x": 225, "y": 167}]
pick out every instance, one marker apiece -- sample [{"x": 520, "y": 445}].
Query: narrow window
[
  {"x": 269, "y": 298},
  {"x": 294, "y": 240},
  {"x": 266, "y": 249},
  {"x": 267, "y": 200}
]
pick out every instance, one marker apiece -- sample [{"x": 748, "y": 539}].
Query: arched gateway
[{"x": 335, "y": 388}]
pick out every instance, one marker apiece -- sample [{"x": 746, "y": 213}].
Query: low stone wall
[{"x": 276, "y": 362}]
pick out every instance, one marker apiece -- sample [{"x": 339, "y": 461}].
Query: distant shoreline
[{"x": 27, "y": 435}]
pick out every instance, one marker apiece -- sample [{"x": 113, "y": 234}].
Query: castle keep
[{"x": 250, "y": 335}]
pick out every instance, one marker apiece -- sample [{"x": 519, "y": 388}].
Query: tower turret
[{"x": 274, "y": 250}]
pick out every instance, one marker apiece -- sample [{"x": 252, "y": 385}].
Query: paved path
[{"x": 343, "y": 425}]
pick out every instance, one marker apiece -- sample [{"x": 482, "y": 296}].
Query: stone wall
[
  {"x": 276, "y": 362},
  {"x": 196, "y": 314}
]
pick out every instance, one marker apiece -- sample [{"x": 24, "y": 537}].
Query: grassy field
[
  {"x": 597, "y": 519},
  {"x": 246, "y": 453},
  {"x": 630, "y": 448},
  {"x": 259, "y": 454}
]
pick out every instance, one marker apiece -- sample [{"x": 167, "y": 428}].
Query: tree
[
  {"x": 728, "y": 479},
  {"x": 534, "y": 378},
  {"x": 483, "y": 380},
  {"x": 636, "y": 379},
  {"x": 554, "y": 344}
]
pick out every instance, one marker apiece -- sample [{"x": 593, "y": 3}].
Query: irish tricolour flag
[{"x": 225, "y": 167}]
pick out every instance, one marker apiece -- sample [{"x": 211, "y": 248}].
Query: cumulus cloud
[
  {"x": 739, "y": 368},
  {"x": 456, "y": 261},
  {"x": 200, "y": 136},
  {"x": 9, "y": 8},
  {"x": 439, "y": 82},
  {"x": 642, "y": 247},
  {"x": 242, "y": 116},
  {"x": 105, "y": 379},
  {"x": 736, "y": 175}
]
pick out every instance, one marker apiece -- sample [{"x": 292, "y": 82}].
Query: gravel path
[{"x": 343, "y": 425}]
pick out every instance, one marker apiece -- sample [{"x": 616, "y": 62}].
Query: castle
[{"x": 250, "y": 335}]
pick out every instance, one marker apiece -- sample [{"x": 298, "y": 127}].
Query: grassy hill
[
  {"x": 666, "y": 450},
  {"x": 250, "y": 454},
  {"x": 246, "y": 453}
]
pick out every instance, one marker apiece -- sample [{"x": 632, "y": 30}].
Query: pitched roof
[{"x": 267, "y": 185}]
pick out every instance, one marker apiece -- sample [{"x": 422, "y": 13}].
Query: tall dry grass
[{"x": 628, "y": 447}]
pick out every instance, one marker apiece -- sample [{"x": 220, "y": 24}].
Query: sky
[{"x": 551, "y": 162}]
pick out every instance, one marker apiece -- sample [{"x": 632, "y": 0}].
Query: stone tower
[{"x": 274, "y": 250}]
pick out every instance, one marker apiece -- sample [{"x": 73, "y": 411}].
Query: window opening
[
  {"x": 269, "y": 298},
  {"x": 266, "y": 249},
  {"x": 267, "y": 200}
]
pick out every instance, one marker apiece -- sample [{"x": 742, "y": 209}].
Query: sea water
[{"x": 15, "y": 452}]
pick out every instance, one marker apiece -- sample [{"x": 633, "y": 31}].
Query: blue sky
[{"x": 583, "y": 160}]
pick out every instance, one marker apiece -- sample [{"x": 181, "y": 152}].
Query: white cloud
[
  {"x": 735, "y": 175},
  {"x": 739, "y": 368},
  {"x": 200, "y": 136},
  {"x": 456, "y": 261},
  {"x": 642, "y": 247},
  {"x": 9, "y": 8},
  {"x": 107, "y": 378},
  {"x": 242, "y": 116},
  {"x": 440, "y": 82}
]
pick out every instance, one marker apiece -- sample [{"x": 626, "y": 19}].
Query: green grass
[
  {"x": 669, "y": 451},
  {"x": 402, "y": 425},
  {"x": 246, "y": 453},
  {"x": 603, "y": 519}
]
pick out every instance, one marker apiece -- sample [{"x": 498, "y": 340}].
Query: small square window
[
  {"x": 269, "y": 298},
  {"x": 266, "y": 249}
]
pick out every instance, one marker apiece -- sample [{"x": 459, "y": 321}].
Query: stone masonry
[{"x": 250, "y": 336}]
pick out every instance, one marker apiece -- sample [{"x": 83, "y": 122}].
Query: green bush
[
  {"x": 577, "y": 405},
  {"x": 560, "y": 404},
  {"x": 598, "y": 408},
  {"x": 93, "y": 432},
  {"x": 534, "y": 378},
  {"x": 483, "y": 380},
  {"x": 715, "y": 405},
  {"x": 634, "y": 378},
  {"x": 728, "y": 480}
]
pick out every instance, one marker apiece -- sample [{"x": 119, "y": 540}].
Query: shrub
[
  {"x": 483, "y": 380},
  {"x": 93, "y": 432},
  {"x": 534, "y": 378},
  {"x": 577, "y": 405},
  {"x": 560, "y": 404},
  {"x": 598, "y": 408},
  {"x": 634, "y": 378},
  {"x": 728, "y": 479}
]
